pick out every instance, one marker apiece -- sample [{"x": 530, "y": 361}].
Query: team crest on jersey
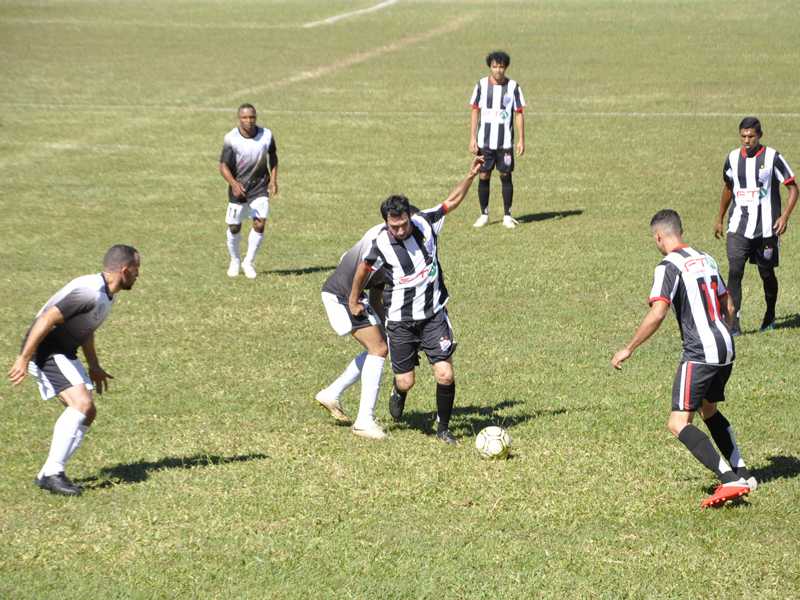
[
  {"x": 445, "y": 343},
  {"x": 504, "y": 115}
]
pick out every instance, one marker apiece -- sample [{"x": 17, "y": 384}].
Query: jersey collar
[
  {"x": 105, "y": 287},
  {"x": 761, "y": 149}
]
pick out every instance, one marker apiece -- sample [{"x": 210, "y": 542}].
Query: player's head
[
  {"x": 667, "y": 230},
  {"x": 498, "y": 62},
  {"x": 122, "y": 262},
  {"x": 247, "y": 117},
  {"x": 750, "y": 132},
  {"x": 396, "y": 212}
]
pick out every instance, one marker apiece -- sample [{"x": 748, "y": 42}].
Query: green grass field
[{"x": 211, "y": 472}]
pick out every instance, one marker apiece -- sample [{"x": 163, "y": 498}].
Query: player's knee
[
  {"x": 484, "y": 175},
  {"x": 258, "y": 225},
  {"x": 90, "y": 415},
  {"x": 234, "y": 229},
  {"x": 443, "y": 373},
  {"x": 505, "y": 178},
  {"x": 380, "y": 349},
  {"x": 404, "y": 381}
]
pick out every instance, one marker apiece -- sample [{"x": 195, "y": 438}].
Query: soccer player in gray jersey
[
  {"x": 65, "y": 323},
  {"x": 367, "y": 331},
  {"x": 690, "y": 281},
  {"x": 752, "y": 177},
  {"x": 497, "y": 116},
  {"x": 249, "y": 163}
]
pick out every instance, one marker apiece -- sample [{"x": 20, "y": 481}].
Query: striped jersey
[
  {"x": 249, "y": 160},
  {"x": 497, "y": 103},
  {"x": 755, "y": 182},
  {"x": 340, "y": 282},
  {"x": 689, "y": 280},
  {"x": 414, "y": 289},
  {"x": 84, "y": 302}
]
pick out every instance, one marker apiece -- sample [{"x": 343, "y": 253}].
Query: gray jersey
[
  {"x": 340, "y": 281},
  {"x": 249, "y": 161},
  {"x": 84, "y": 302}
]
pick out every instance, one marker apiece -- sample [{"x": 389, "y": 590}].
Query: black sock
[
  {"x": 445, "y": 398},
  {"x": 701, "y": 448},
  {"x": 483, "y": 195},
  {"x": 720, "y": 429},
  {"x": 508, "y": 193}
]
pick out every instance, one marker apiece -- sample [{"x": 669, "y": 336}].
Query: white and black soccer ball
[{"x": 493, "y": 442}]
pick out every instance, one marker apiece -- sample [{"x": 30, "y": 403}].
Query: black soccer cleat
[
  {"x": 397, "y": 402},
  {"x": 446, "y": 437},
  {"x": 768, "y": 322},
  {"x": 58, "y": 484}
]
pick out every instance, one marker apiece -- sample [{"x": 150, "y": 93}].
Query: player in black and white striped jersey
[
  {"x": 405, "y": 251},
  {"x": 497, "y": 116},
  {"x": 689, "y": 281},
  {"x": 249, "y": 163},
  {"x": 751, "y": 196}
]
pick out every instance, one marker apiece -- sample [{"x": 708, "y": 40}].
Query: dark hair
[
  {"x": 245, "y": 105},
  {"x": 667, "y": 219},
  {"x": 119, "y": 256},
  {"x": 498, "y": 56},
  {"x": 751, "y": 123},
  {"x": 395, "y": 206}
]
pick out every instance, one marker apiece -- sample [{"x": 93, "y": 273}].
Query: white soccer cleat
[
  {"x": 332, "y": 405},
  {"x": 249, "y": 270},
  {"x": 752, "y": 483},
  {"x": 233, "y": 268},
  {"x": 371, "y": 431},
  {"x": 509, "y": 222},
  {"x": 482, "y": 220}
]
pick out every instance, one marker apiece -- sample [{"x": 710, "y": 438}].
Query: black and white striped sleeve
[
  {"x": 435, "y": 216},
  {"x": 475, "y": 99},
  {"x": 782, "y": 170},
  {"x": 665, "y": 283},
  {"x": 727, "y": 172}
]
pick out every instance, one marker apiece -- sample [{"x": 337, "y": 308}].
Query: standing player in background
[
  {"x": 491, "y": 132},
  {"x": 249, "y": 163},
  {"x": 405, "y": 252},
  {"x": 66, "y": 322},
  {"x": 366, "y": 329},
  {"x": 690, "y": 282},
  {"x": 751, "y": 177}
]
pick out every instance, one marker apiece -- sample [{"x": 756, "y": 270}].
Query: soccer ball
[{"x": 493, "y": 442}]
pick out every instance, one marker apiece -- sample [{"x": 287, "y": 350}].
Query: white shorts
[
  {"x": 57, "y": 374},
  {"x": 340, "y": 318},
  {"x": 255, "y": 209}
]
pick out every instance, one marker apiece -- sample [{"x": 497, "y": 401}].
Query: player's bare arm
[
  {"x": 273, "y": 171},
  {"x": 238, "y": 189},
  {"x": 41, "y": 327},
  {"x": 724, "y": 202},
  {"x": 782, "y": 221},
  {"x": 519, "y": 123},
  {"x": 473, "y": 130},
  {"x": 359, "y": 281},
  {"x": 649, "y": 325},
  {"x": 96, "y": 373},
  {"x": 461, "y": 189}
]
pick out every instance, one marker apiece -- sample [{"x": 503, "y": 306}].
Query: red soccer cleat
[{"x": 724, "y": 493}]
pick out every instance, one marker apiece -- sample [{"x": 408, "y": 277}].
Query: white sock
[
  {"x": 348, "y": 377},
  {"x": 234, "y": 240},
  {"x": 736, "y": 458},
  {"x": 64, "y": 433},
  {"x": 370, "y": 384},
  {"x": 76, "y": 443},
  {"x": 253, "y": 244}
]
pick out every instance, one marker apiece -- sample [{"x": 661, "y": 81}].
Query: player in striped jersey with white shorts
[
  {"x": 690, "y": 282},
  {"x": 751, "y": 196}
]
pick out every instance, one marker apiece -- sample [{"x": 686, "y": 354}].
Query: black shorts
[
  {"x": 433, "y": 336},
  {"x": 502, "y": 160},
  {"x": 695, "y": 382},
  {"x": 759, "y": 251}
]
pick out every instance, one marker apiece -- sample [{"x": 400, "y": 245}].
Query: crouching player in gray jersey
[
  {"x": 689, "y": 280},
  {"x": 66, "y": 322},
  {"x": 366, "y": 329}
]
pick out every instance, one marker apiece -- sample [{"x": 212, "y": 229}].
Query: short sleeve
[
  {"x": 372, "y": 256},
  {"x": 435, "y": 216},
  {"x": 475, "y": 99},
  {"x": 665, "y": 282},
  {"x": 78, "y": 301},
  {"x": 228, "y": 156},
  {"x": 782, "y": 170},
  {"x": 727, "y": 171},
  {"x": 519, "y": 99}
]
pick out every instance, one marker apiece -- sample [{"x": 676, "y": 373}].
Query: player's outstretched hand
[
  {"x": 620, "y": 357},
  {"x": 476, "y": 165},
  {"x": 99, "y": 378},
  {"x": 18, "y": 371}
]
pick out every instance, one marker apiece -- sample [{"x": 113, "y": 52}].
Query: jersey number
[{"x": 712, "y": 300}]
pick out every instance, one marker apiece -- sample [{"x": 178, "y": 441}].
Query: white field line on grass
[
  {"x": 353, "y": 59},
  {"x": 347, "y": 15},
  {"x": 378, "y": 113}
]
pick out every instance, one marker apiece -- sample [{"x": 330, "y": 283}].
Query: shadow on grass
[
  {"x": 779, "y": 467},
  {"x": 302, "y": 271},
  {"x": 546, "y": 216},
  {"x": 469, "y": 420},
  {"x": 140, "y": 471},
  {"x": 789, "y": 322}
]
